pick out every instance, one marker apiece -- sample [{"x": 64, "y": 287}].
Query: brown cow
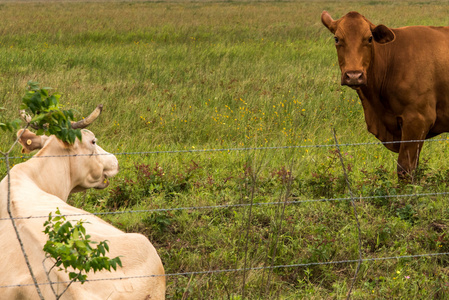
[{"x": 402, "y": 78}]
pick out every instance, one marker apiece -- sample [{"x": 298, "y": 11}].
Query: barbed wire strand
[
  {"x": 359, "y": 231},
  {"x": 235, "y": 205},
  {"x": 372, "y": 259},
  {"x": 231, "y": 149}
]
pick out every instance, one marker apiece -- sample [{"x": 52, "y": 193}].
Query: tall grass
[{"x": 217, "y": 75}]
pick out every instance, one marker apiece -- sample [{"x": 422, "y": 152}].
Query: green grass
[{"x": 236, "y": 74}]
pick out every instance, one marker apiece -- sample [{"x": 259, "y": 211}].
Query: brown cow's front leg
[
  {"x": 413, "y": 129},
  {"x": 408, "y": 159}
]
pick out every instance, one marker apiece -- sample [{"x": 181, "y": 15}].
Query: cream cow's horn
[{"x": 87, "y": 121}]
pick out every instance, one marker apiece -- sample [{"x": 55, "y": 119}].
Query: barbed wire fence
[{"x": 251, "y": 206}]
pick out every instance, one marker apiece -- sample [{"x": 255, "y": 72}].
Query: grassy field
[{"x": 179, "y": 77}]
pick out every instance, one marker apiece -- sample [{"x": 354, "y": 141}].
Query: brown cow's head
[{"x": 354, "y": 39}]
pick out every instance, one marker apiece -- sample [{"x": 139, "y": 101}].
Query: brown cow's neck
[{"x": 379, "y": 117}]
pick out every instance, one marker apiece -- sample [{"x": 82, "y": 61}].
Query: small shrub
[
  {"x": 155, "y": 180},
  {"x": 379, "y": 185},
  {"x": 122, "y": 195},
  {"x": 283, "y": 175},
  {"x": 329, "y": 180},
  {"x": 152, "y": 179},
  {"x": 407, "y": 213},
  {"x": 159, "y": 221},
  {"x": 322, "y": 245}
]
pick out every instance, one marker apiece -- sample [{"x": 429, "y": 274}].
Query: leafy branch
[
  {"x": 47, "y": 116},
  {"x": 71, "y": 248},
  {"x": 41, "y": 111}
]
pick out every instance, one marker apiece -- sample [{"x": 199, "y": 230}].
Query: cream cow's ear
[{"x": 30, "y": 141}]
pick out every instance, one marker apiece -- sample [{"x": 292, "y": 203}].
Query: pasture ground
[{"x": 238, "y": 74}]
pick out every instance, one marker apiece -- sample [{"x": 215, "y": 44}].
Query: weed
[
  {"x": 158, "y": 221},
  {"x": 321, "y": 247},
  {"x": 150, "y": 179},
  {"x": 379, "y": 185},
  {"x": 122, "y": 195},
  {"x": 156, "y": 180},
  {"x": 283, "y": 175},
  {"x": 328, "y": 180},
  {"x": 407, "y": 213}
]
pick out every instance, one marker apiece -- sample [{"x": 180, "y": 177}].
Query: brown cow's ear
[
  {"x": 30, "y": 141},
  {"x": 327, "y": 21},
  {"x": 382, "y": 34}
]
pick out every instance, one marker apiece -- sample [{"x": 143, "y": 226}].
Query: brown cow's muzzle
[{"x": 353, "y": 79}]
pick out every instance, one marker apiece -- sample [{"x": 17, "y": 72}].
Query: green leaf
[
  {"x": 113, "y": 264},
  {"x": 44, "y": 92},
  {"x": 75, "y": 234},
  {"x": 54, "y": 100},
  {"x": 119, "y": 261},
  {"x": 80, "y": 245},
  {"x": 79, "y": 135},
  {"x": 38, "y": 118},
  {"x": 33, "y": 85},
  {"x": 70, "y": 114},
  {"x": 71, "y": 136}
]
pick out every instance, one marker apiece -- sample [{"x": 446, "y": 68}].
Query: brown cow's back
[{"x": 412, "y": 74}]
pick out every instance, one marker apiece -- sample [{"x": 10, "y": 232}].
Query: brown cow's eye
[
  {"x": 336, "y": 40},
  {"x": 370, "y": 40},
  {"x": 94, "y": 141}
]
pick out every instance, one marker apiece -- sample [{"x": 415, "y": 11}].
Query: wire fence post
[
  {"x": 253, "y": 176},
  {"x": 287, "y": 179},
  {"x": 355, "y": 213}
]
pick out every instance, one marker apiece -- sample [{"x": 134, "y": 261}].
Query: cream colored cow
[{"x": 38, "y": 187}]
